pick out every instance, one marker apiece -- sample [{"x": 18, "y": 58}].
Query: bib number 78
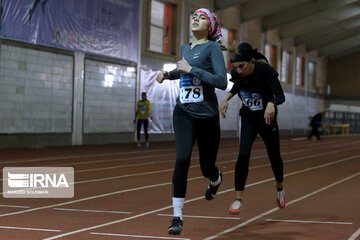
[
  {"x": 191, "y": 94},
  {"x": 195, "y": 93}
]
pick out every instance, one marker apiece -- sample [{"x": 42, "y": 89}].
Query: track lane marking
[
  {"x": 199, "y": 198},
  {"x": 197, "y": 165},
  {"x": 137, "y": 236},
  {"x": 206, "y": 217},
  {"x": 123, "y": 153},
  {"x": 30, "y": 229},
  {"x": 152, "y": 186},
  {"x": 355, "y": 235},
  {"x": 276, "y": 209},
  {"x": 89, "y": 210},
  {"x": 13, "y": 206},
  {"x": 305, "y": 221}
]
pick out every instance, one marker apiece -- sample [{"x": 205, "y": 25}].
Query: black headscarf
[{"x": 245, "y": 52}]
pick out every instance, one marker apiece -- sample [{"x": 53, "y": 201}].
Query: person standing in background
[
  {"x": 315, "y": 123},
  {"x": 143, "y": 111}
]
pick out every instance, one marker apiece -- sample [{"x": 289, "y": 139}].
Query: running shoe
[
  {"x": 280, "y": 199},
  {"x": 235, "y": 207},
  {"x": 212, "y": 190},
  {"x": 176, "y": 226},
  {"x": 147, "y": 144}
]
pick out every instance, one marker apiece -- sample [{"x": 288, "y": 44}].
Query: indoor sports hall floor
[{"x": 124, "y": 192}]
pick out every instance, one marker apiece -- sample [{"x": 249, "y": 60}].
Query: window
[
  {"x": 286, "y": 67},
  {"x": 300, "y": 71},
  {"x": 161, "y": 27},
  {"x": 271, "y": 54},
  {"x": 312, "y": 74}
]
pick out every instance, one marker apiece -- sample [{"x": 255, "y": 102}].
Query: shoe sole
[
  {"x": 174, "y": 232},
  {"x": 234, "y": 212},
  {"x": 281, "y": 206},
  {"x": 211, "y": 197}
]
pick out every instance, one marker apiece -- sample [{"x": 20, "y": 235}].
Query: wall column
[{"x": 78, "y": 98}]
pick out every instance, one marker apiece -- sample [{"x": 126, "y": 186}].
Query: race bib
[
  {"x": 191, "y": 89},
  {"x": 252, "y": 100}
]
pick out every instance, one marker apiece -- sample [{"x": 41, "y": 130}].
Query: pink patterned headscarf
[{"x": 214, "y": 27}]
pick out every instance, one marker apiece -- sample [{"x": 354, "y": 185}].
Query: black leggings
[
  {"x": 146, "y": 124},
  {"x": 207, "y": 134},
  {"x": 314, "y": 131},
  {"x": 249, "y": 127}
]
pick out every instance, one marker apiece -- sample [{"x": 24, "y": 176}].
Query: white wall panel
[
  {"x": 109, "y": 97},
  {"x": 36, "y": 91}
]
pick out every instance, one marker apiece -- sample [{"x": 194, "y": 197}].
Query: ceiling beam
[
  {"x": 332, "y": 39},
  {"x": 221, "y": 4},
  {"x": 330, "y": 30},
  {"x": 339, "y": 47},
  {"x": 318, "y": 21},
  {"x": 301, "y": 11},
  {"x": 344, "y": 53},
  {"x": 260, "y": 8}
]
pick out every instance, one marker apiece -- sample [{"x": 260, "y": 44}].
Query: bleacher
[{"x": 341, "y": 119}]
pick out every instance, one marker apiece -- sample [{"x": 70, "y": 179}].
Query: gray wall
[{"x": 55, "y": 99}]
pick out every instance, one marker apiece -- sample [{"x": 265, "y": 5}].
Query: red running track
[{"x": 122, "y": 192}]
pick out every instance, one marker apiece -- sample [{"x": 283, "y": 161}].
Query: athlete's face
[
  {"x": 199, "y": 23},
  {"x": 243, "y": 68}
]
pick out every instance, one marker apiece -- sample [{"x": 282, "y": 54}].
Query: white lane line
[
  {"x": 88, "y": 198},
  {"x": 110, "y": 223},
  {"x": 30, "y": 229},
  {"x": 298, "y": 139},
  {"x": 187, "y": 201},
  {"x": 13, "y": 206},
  {"x": 171, "y": 169},
  {"x": 206, "y": 217},
  {"x": 114, "y": 154},
  {"x": 137, "y": 236},
  {"x": 197, "y": 165},
  {"x": 164, "y": 184},
  {"x": 173, "y": 154},
  {"x": 304, "y": 221},
  {"x": 85, "y": 156},
  {"x": 89, "y": 210},
  {"x": 276, "y": 209},
  {"x": 355, "y": 235},
  {"x": 155, "y": 185},
  {"x": 123, "y": 153}
]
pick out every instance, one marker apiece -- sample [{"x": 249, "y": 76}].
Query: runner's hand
[
  {"x": 223, "y": 108},
  {"x": 162, "y": 76},
  {"x": 269, "y": 113},
  {"x": 183, "y": 66}
]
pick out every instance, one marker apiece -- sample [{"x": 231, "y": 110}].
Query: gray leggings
[{"x": 207, "y": 133}]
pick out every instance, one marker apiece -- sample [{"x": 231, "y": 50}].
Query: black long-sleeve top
[{"x": 257, "y": 89}]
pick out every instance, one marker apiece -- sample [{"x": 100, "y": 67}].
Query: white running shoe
[
  {"x": 280, "y": 199},
  {"x": 235, "y": 207}
]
